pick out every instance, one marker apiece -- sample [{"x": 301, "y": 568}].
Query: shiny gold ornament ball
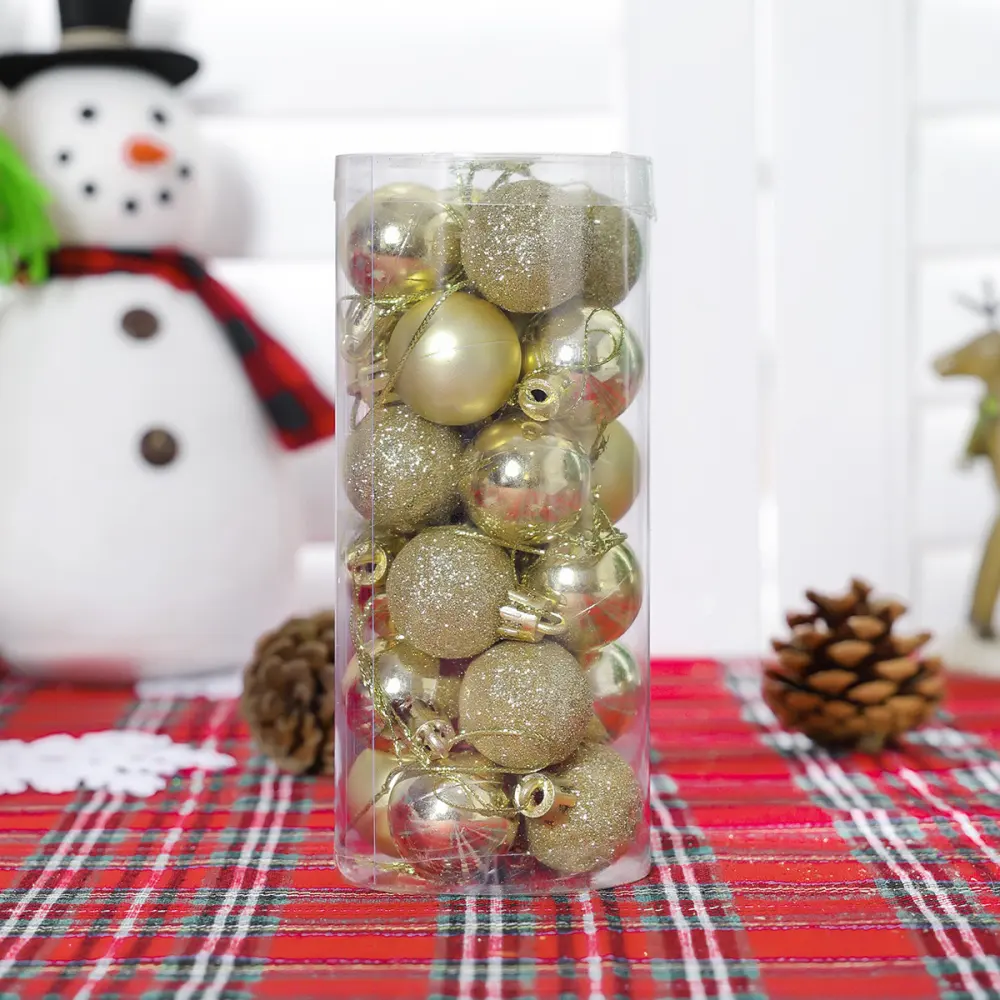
[
  {"x": 600, "y": 598},
  {"x": 405, "y": 676},
  {"x": 446, "y": 589},
  {"x": 372, "y": 773},
  {"x": 363, "y": 330},
  {"x": 451, "y": 824},
  {"x": 525, "y": 706},
  {"x": 616, "y": 475},
  {"x": 598, "y": 829},
  {"x": 403, "y": 239},
  {"x": 617, "y": 686},
  {"x": 614, "y": 253},
  {"x": 401, "y": 471},
  {"x": 587, "y": 359},
  {"x": 524, "y": 482},
  {"x": 465, "y": 364},
  {"x": 523, "y": 246}
]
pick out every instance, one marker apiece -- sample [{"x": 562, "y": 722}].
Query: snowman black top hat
[{"x": 95, "y": 33}]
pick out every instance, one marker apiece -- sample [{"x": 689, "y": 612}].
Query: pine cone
[
  {"x": 289, "y": 693},
  {"x": 845, "y": 679}
]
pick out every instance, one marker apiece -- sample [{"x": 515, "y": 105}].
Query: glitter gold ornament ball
[
  {"x": 465, "y": 364},
  {"x": 401, "y": 471},
  {"x": 446, "y": 588},
  {"x": 597, "y": 829},
  {"x": 613, "y": 253},
  {"x": 525, "y": 706},
  {"x": 523, "y": 246},
  {"x": 581, "y": 365},
  {"x": 524, "y": 482},
  {"x": 403, "y": 239},
  {"x": 598, "y": 597}
]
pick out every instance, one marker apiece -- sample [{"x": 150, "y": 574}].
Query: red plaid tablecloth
[{"x": 781, "y": 872}]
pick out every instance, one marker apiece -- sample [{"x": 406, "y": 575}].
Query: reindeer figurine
[{"x": 980, "y": 358}]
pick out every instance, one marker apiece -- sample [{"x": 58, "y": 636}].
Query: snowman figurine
[{"x": 149, "y": 524}]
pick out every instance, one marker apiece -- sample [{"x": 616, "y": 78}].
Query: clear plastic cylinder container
[{"x": 492, "y": 606}]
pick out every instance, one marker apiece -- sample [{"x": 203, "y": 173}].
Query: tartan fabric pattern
[
  {"x": 295, "y": 406},
  {"x": 781, "y": 872}
]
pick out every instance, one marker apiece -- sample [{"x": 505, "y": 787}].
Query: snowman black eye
[
  {"x": 160, "y": 117},
  {"x": 90, "y": 189},
  {"x": 131, "y": 206},
  {"x": 64, "y": 156},
  {"x": 166, "y": 197},
  {"x": 88, "y": 113},
  {"x": 184, "y": 171}
]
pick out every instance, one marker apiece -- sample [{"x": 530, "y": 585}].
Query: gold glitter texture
[
  {"x": 401, "y": 471},
  {"x": 597, "y": 830},
  {"x": 613, "y": 253},
  {"x": 446, "y": 589},
  {"x": 525, "y": 706},
  {"x": 524, "y": 248}
]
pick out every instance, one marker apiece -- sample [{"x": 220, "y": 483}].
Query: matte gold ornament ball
[
  {"x": 523, "y": 246},
  {"x": 368, "y": 784},
  {"x": 452, "y": 826},
  {"x": 581, "y": 365},
  {"x": 400, "y": 240},
  {"x": 401, "y": 471},
  {"x": 599, "y": 598},
  {"x": 446, "y": 588},
  {"x": 525, "y": 706},
  {"x": 598, "y": 829},
  {"x": 525, "y": 483},
  {"x": 465, "y": 364},
  {"x": 616, "y": 475},
  {"x": 617, "y": 686}
]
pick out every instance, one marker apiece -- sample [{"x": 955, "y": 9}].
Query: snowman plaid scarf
[{"x": 300, "y": 413}]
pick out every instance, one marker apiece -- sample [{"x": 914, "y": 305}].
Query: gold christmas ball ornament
[
  {"x": 614, "y": 253},
  {"x": 581, "y": 365},
  {"x": 523, "y": 482},
  {"x": 401, "y": 240},
  {"x": 446, "y": 589},
  {"x": 465, "y": 363},
  {"x": 401, "y": 471},
  {"x": 599, "y": 598},
  {"x": 524, "y": 246},
  {"x": 617, "y": 473},
  {"x": 451, "y": 823},
  {"x": 363, "y": 330},
  {"x": 598, "y": 828},
  {"x": 407, "y": 678},
  {"x": 617, "y": 686},
  {"x": 525, "y": 706},
  {"x": 369, "y": 782}
]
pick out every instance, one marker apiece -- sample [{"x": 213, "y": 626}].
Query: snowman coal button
[
  {"x": 140, "y": 324},
  {"x": 159, "y": 447}
]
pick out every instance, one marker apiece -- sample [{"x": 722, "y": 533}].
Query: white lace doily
[{"x": 119, "y": 761}]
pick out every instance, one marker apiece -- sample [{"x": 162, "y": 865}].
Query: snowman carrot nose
[{"x": 145, "y": 152}]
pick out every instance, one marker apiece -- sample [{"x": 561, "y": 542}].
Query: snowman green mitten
[{"x": 26, "y": 231}]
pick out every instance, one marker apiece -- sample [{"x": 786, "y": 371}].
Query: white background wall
[{"x": 825, "y": 180}]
